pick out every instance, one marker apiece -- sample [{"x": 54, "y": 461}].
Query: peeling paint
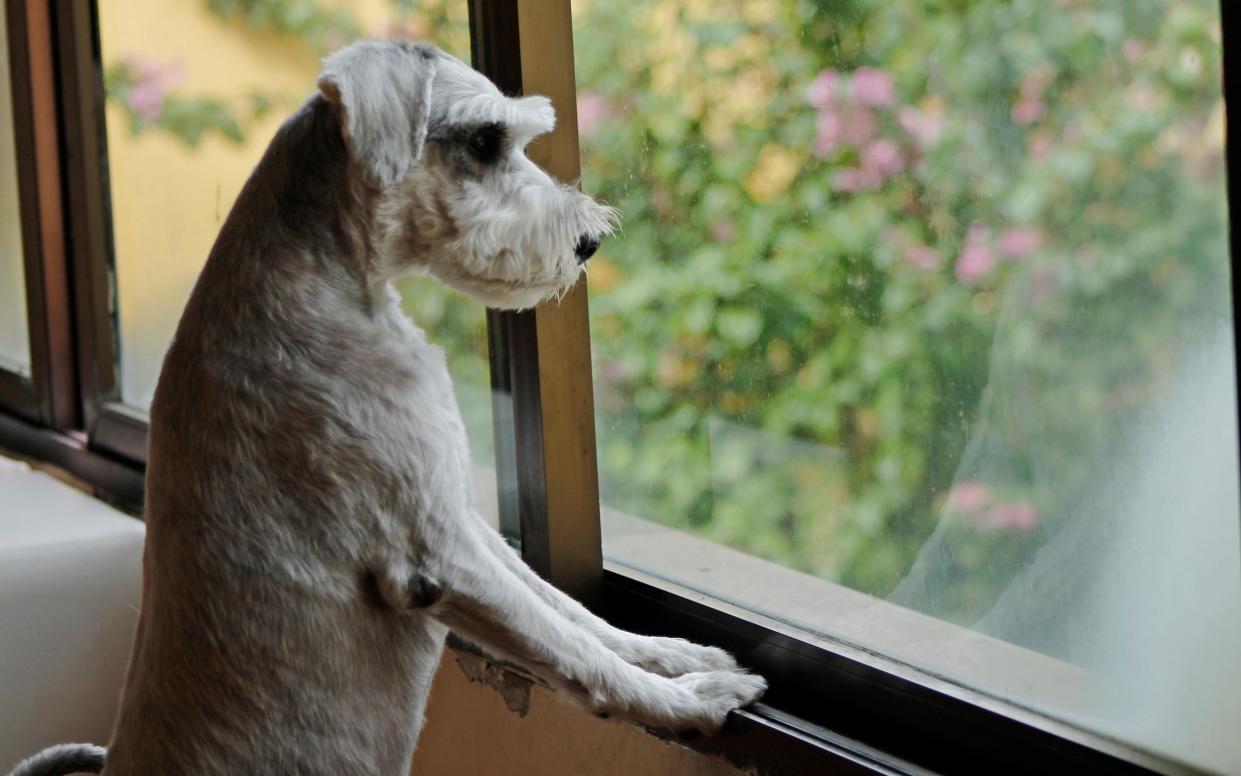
[{"x": 512, "y": 687}]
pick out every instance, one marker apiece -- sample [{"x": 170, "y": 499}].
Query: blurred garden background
[
  {"x": 895, "y": 269},
  {"x": 890, "y": 269}
]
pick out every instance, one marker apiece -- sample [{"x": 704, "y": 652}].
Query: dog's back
[{"x": 266, "y": 484}]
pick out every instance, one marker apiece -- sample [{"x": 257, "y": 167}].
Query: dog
[{"x": 310, "y": 538}]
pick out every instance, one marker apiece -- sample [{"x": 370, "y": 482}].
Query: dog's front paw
[
  {"x": 717, "y": 693},
  {"x": 674, "y": 657}
]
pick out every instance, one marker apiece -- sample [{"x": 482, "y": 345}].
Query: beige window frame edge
[{"x": 572, "y": 556}]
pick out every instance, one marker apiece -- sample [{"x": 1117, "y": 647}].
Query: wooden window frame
[
  {"x": 545, "y": 460},
  {"x": 832, "y": 706},
  {"x": 41, "y": 416},
  {"x": 111, "y": 427},
  {"x": 48, "y": 395}
]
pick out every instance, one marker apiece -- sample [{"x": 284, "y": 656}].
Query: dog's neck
[{"x": 307, "y": 208}]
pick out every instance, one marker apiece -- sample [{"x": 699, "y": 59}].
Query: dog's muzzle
[{"x": 586, "y": 247}]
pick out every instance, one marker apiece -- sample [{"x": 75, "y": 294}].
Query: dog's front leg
[
  {"x": 486, "y": 602},
  {"x": 660, "y": 654}
]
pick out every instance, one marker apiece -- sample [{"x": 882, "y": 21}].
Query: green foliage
[
  {"x": 323, "y": 28},
  {"x": 144, "y": 89},
  {"x": 875, "y": 249},
  {"x": 189, "y": 117}
]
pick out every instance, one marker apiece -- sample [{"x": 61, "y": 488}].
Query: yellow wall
[{"x": 168, "y": 200}]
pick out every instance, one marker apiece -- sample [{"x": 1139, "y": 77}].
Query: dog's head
[{"x": 458, "y": 197}]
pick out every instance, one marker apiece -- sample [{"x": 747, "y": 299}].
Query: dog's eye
[{"x": 485, "y": 143}]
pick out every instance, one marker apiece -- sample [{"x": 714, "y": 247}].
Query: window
[
  {"x": 912, "y": 374},
  {"x": 923, "y": 310},
  {"x": 14, "y": 331}
]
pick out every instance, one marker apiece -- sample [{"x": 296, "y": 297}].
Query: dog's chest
[
  {"x": 428, "y": 387},
  {"x": 426, "y": 403}
]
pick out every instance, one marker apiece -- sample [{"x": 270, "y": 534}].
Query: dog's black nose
[{"x": 586, "y": 247}]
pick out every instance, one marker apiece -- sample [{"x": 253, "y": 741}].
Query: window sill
[
  {"x": 70, "y": 580},
  {"x": 760, "y": 739},
  {"x": 883, "y": 711},
  {"x": 817, "y": 606}
]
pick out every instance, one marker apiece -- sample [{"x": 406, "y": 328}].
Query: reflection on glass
[
  {"x": 930, "y": 301},
  {"x": 195, "y": 91},
  {"x": 14, "y": 336}
]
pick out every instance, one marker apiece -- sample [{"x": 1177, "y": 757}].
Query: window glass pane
[
  {"x": 918, "y": 335},
  {"x": 14, "y": 335},
  {"x": 195, "y": 91}
]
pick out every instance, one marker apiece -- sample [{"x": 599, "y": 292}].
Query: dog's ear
[{"x": 382, "y": 94}]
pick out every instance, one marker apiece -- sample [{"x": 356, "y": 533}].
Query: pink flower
[
  {"x": 723, "y": 230},
  {"x": 592, "y": 110},
  {"x": 921, "y": 256},
  {"x": 823, "y": 89},
  {"x": 854, "y": 179},
  {"x": 147, "y": 100},
  {"x": 923, "y": 127},
  {"x": 1018, "y": 516},
  {"x": 873, "y": 87},
  {"x": 967, "y": 496},
  {"x": 1133, "y": 49},
  {"x": 883, "y": 157},
  {"x": 830, "y": 131},
  {"x": 974, "y": 263},
  {"x": 1030, "y": 107},
  {"x": 859, "y": 126},
  {"x": 848, "y": 180},
  {"x": 1041, "y": 145},
  {"x": 1027, "y": 111},
  {"x": 151, "y": 83},
  {"x": 976, "y": 260},
  {"x": 1015, "y": 243},
  {"x": 854, "y": 125}
]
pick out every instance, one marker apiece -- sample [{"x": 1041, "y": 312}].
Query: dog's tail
[{"x": 62, "y": 759}]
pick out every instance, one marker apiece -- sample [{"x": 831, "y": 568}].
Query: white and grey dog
[{"x": 310, "y": 539}]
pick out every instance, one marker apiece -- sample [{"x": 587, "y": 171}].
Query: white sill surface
[{"x": 70, "y": 581}]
